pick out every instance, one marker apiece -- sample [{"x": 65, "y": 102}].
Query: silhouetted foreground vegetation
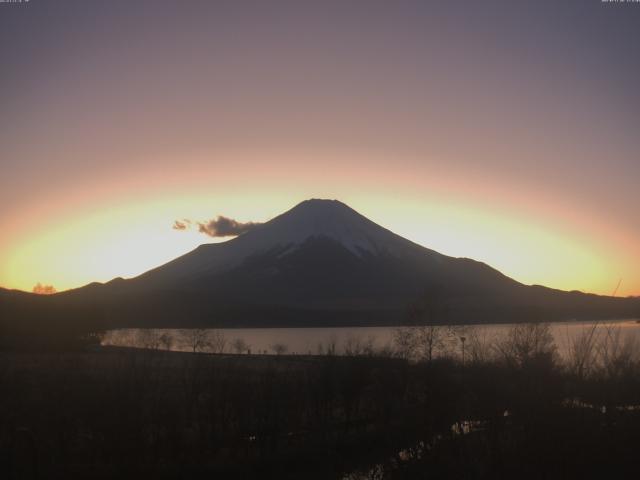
[
  {"x": 511, "y": 410},
  {"x": 31, "y": 322}
]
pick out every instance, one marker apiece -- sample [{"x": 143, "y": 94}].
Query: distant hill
[
  {"x": 30, "y": 321},
  {"x": 323, "y": 264}
]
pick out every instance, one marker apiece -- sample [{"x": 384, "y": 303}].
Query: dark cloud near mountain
[
  {"x": 225, "y": 227},
  {"x": 217, "y": 227}
]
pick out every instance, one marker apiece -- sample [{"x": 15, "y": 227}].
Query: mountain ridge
[
  {"x": 321, "y": 263},
  {"x": 314, "y": 217},
  {"x": 307, "y": 224}
]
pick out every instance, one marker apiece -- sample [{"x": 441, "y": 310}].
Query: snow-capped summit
[
  {"x": 314, "y": 219},
  {"x": 323, "y": 264},
  {"x": 332, "y": 219}
]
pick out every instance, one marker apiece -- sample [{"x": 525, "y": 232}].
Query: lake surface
[{"x": 306, "y": 341}]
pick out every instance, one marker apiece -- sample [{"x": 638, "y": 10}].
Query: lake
[{"x": 340, "y": 340}]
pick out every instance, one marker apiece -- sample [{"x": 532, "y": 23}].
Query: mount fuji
[{"x": 323, "y": 264}]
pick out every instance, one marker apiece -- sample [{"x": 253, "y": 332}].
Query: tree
[
  {"x": 404, "y": 339},
  {"x": 357, "y": 346},
  {"x": 166, "y": 340},
  {"x": 583, "y": 352},
  {"x": 617, "y": 353},
  {"x": 196, "y": 339},
  {"x": 239, "y": 345},
  {"x": 479, "y": 348},
  {"x": 279, "y": 348},
  {"x": 428, "y": 336},
  {"x": 217, "y": 341},
  {"x": 527, "y": 343},
  {"x": 41, "y": 289},
  {"x": 429, "y": 340},
  {"x": 148, "y": 338}
]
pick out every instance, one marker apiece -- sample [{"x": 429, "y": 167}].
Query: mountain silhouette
[{"x": 323, "y": 264}]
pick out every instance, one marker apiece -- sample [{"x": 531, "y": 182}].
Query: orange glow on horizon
[
  {"x": 506, "y": 134},
  {"x": 103, "y": 239}
]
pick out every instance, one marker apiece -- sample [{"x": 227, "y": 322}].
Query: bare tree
[
  {"x": 279, "y": 348},
  {"x": 430, "y": 340},
  {"x": 332, "y": 345},
  {"x": 404, "y": 339},
  {"x": 386, "y": 350},
  {"x": 426, "y": 342},
  {"x": 429, "y": 336},
  {"x": 239, "y": 345},
  {"x": 353, "y": 346},
  {"x": 526, "y": 343},
  {"x": 357, "y": 346},
  {"x": 369, "y": 346},
  {"x": 148, "y": 338},
  {"x": 196, "y": 339},
  {"x": 166, "y": 340},
  {"x": 582, "y": 352},
  {"x": 479, "y": 348},
  {"x": 216, "y": 341},
  {"x": 616, "y": 352}
]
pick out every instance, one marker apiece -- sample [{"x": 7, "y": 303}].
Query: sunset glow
[
  {"x": 461, "y": 145},
  {"x": 331, "y": 239},
  {"x": 102, "y": 239}
]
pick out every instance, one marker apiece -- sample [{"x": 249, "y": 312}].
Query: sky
[{"x": 504, "y": 131}]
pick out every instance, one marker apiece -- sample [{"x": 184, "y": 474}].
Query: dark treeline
[
  {"x": 509, "y": 410},
  {"x": 30, "y": 322},
  {"x": 113, "y": 306}
]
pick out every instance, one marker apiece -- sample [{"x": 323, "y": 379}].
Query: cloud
[
  {"x": 44, "y": 289},
  {"x": 225, "y": 227},
  {"x": 181, "y": 224},
  {"x": 217, "y": 227}
]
